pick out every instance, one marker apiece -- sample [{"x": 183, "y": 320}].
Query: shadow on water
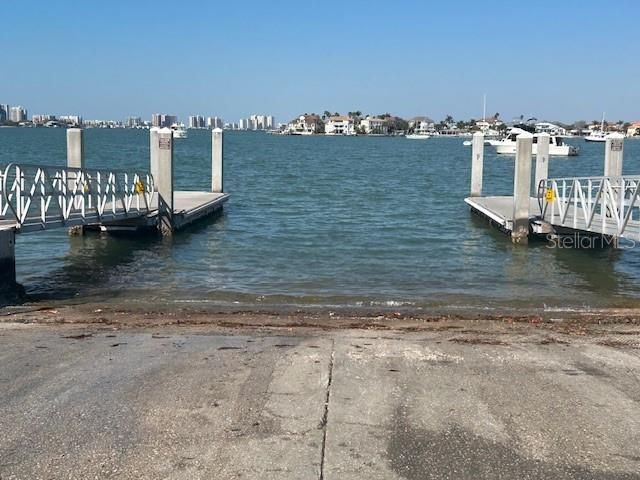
[{"x": 91, "y": 265}]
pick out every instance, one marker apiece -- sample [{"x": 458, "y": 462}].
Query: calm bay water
[{"x": 323, "y": 221}]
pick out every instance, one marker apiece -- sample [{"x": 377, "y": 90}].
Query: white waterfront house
[
  {"x": 374, "y": 126},
  {"x": 550, "y": 128},
  {"x": 339, "y": 125},
  {"x": 305, "y": 125}
]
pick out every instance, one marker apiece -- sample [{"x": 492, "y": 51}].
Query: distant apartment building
[
  {"x": 339, "y": 125},
  {"x": 71, "y": 119},
  {"x": 163, "y": 120},
  {"x": 42, "y": 119},
  {"x": 374, "y": 126},
  {"x": 18, "y": 114},
  {"x": 133, "y": 122},
  {"x": 271, "y": 122},
  {"x": 197, "y": 121},
  {"x": 215, "y": 122}
]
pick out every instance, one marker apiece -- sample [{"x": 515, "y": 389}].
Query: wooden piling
[
  {"x": 477, "y": 161},
  {"x": 522, "y": 189},
  {"x": 7, "y": 260},
  {"x": 216, "y": 160}
]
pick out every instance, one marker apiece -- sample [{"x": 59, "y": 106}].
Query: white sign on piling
[
  {"x": 522, "y": 189},
  {"x": 477, "y": 160},
  {"x": 542, "y": 158},
  {"x": 216, "y": 160}
]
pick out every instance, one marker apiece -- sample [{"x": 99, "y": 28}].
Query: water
[{"x": 323, "y": 221}]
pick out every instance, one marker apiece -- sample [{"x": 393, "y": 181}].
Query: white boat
[
  {"x": 179, "y": 131},
  {"x": 417, "y": 136},
  {"x": 597, "y": 135},
  {"x": 557, "y": 147}
]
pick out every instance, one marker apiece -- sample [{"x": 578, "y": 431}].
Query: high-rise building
[
  {"x": 163, "y": 120},
  {"x": 133, "y": 122},
  {"x": 4, "y": 112},
  {"x": 17, "y": 114},
  {"x": 71, "y": 119},
  {"x": 271, "y": 122}
]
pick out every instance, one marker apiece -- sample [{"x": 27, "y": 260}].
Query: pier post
[
  {"x": 153, "y": 152},
  {"x": 216, "y": 160},
  {"x": 75, "y": 148},
  {"x": 164, "y": 181},
  {"x": 613, "y": 155},
  {"x": 542, "y": 158},
  {"x": 522, "y": 189},
  {"x": 7, "y": 262},
  {"x": 477, "y": 161}
]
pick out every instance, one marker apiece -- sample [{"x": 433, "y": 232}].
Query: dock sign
[
  {"x": 164, "y": 143},
  {"x": 616, "y": 145},
  {"x": 549, "y": 195}
]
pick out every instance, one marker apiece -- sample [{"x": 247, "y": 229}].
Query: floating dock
[
  {"x": 607, "y": 206},
  {"x": 39, "y": 197}
]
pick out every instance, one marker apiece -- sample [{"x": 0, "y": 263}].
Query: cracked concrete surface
[{"x": 81, "y": 402}]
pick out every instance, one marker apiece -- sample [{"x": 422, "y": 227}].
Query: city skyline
[{"x": 407, "y": 59}]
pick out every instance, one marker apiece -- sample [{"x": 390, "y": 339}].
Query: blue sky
[{"x": 562, "y": 60}]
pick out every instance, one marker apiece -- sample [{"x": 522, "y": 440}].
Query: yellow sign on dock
[{"x": 550, "y": 195}]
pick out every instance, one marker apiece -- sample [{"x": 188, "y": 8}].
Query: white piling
[
  {"x": 477, "y": 161},
  {"x": 522, "y": 189},
  {"x": 613, "y": 155},
  {"x": 75, "y": 148},
  {"x": 153, "y": 151},
  {"x": 164, "y": 181},
  {"x": 7, "y": 260},
  {"x": 216, "y": 160},
  {"x": 542, "y": 158}
]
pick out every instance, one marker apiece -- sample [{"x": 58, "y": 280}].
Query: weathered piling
[
  {"x": 7, "y": 257},
  {"x": 613, "y": 155},
  {"x": 477, "y": 161},
  {"x": 164, "y": 181},
  {"x": 75, "y": 148},
  {"x": 522, "y": 189},
  {"x": 542, "y": 158},
  {"x": 153, "y": 151},
  {"x": 216, "y": 160}
]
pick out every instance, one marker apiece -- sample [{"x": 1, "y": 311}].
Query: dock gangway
[
  {"x": 36, "y": 197},
  {"x": 601, "y": 205}
]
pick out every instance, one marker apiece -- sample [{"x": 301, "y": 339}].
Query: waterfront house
[
  {"x": 374, "y": 126},
  {"x": 305, "y": 125},
  {"x": 633, "y": 130},
  {"x": 339, "y": 125}
]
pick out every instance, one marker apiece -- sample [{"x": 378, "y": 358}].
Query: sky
[{"x": 555, "y": 60}]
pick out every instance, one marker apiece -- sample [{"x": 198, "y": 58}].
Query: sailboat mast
[{"x": 484, "y": 107}]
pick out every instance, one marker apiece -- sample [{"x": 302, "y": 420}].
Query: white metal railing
[
  {"x": 39, "y": 197},
  {"x": 604, "y": 205}
]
